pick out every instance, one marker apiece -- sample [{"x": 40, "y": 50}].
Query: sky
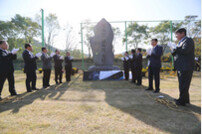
[{"x": 73, "y": 12}]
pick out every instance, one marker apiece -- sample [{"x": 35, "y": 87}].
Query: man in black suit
[
  {"x": 126, "y": 65},
  {"x": 6, "y": 68},
  {"x": 154, "y": 65},
  {"x": 138, "y": 66},
  {"x": 68, "y": 66},
  {"x": 58, "y": 66},
  {"x": 184, "y": 64},
  {"x": 30, "y": 67},
  {"x": 132, "y": 63},
  {"x": 46, "y": 65}
]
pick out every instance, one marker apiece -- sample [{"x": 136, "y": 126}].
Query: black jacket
[
  {"x": 6, "y": 62},
  {"x": 68, "y": 63},
  {"x": 184, "y": 55},
  {"x": 155, "y": 57},
  {"x": 132, "y": 62},
  {"x": 57, "y": 61},
  {"x": 138, "y": 61},
  {"x": 126, "y": 63},
  {"x": 46, "y": 61},
  {"x": 30, "y": 62}
]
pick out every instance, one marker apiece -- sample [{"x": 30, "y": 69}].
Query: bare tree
[
  {"x": 52, "y": 28},
  {"x": 70, "y": 39},
  {"x": 117, "y": 34},
  {"x": 88, "y": 30}
]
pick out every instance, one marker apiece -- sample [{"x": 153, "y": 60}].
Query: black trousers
[
  {"x": 133, "y": 75},
  {"x": 184, "y": 78},
  {"x": 68, "y": 71},
  {"x": 58, "y": 75},
  {"x": 126, "y": 73},
  {"x": 138, "y": 76},
  {"x": 31, "y": 80},
  {"x": 46, "y": 77},
  {"x": 11, "y": 82},
  {"x": 154, "y": 72}
]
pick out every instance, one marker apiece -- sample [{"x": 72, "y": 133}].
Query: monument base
[
  {"x": 103, "y": 75},
  {"x": 103, "y": 68}
]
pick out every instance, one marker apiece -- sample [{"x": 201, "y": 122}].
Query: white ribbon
[
  {"x": 38, "y": 55},
  {"x": 61, "y": 57},
  {"x": 172, "y": 45},
  {"x": 52, "y": 54},
  {"x": 14, "y": 51}
]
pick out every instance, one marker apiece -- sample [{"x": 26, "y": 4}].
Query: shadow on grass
[
  {"x": 124, "y": 96},
  {"x": 134, "y": 100},
  {"x": 17, "y": 102}
]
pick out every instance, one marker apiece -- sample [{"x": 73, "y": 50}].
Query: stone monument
[{"x": 102, "y": 47}]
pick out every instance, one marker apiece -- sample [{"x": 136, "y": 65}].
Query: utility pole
[
  {"x": 42, "y": 22},
  {"x": 82, "y": 46},
  {"x": 126, "y": 40}
]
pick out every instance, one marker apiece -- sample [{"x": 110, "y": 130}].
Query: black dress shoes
[
  {"x": 14, "y": 94},
  {"x": 156, "y": 91},
  {"x": 177, "y": 102},
  {"x": 35, "y": 89},
  {"x": 186, "y": 102},
  {"x": 149, "y": 89}
]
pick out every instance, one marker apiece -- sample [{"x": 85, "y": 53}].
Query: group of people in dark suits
[
  {"x": 183, "y": 55},
  {"x": 58, "y": 60},
  {"x": 58, "y": 67},
  {"x": 30, "y": 67},
  {"x": 133, "y": 62},
  {"x": 184, "y": 63}
]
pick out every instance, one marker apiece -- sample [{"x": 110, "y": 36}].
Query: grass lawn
[{"x": 98, "y": 107}]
